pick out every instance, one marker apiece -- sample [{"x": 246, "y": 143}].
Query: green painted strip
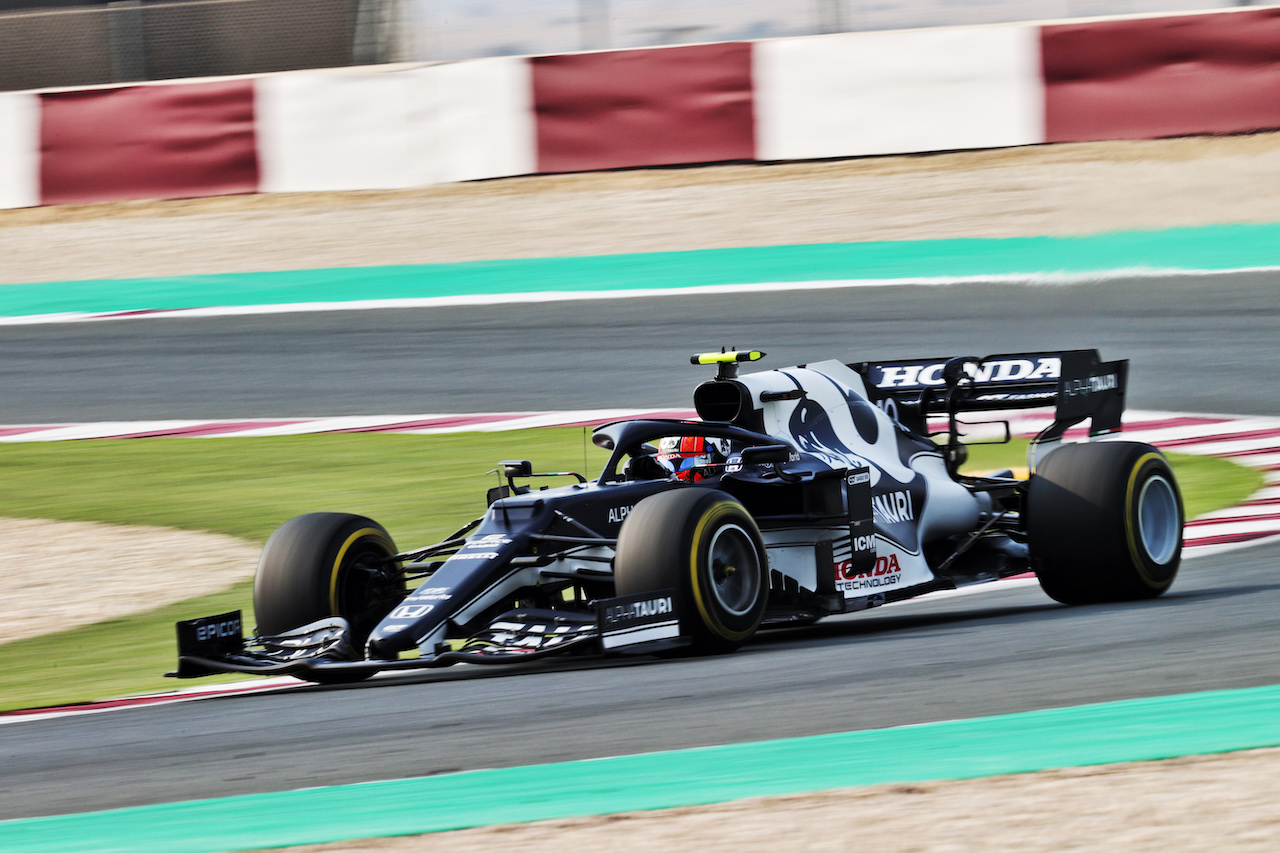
[
  {"x": 1135, "y": 730},
  {"x": 1217, "y": 247}
]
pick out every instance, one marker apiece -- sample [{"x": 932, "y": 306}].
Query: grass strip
[
  {"x": 420, "y": 487},
  {"x": 1132, "y": 730}
]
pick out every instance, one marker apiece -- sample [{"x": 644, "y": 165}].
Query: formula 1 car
[{"x": 798, "y": 493}]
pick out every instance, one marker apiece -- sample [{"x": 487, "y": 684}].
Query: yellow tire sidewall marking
[
  {"x": 713, "y": 514},
  {"x": 337, "y": 562},
  {"x": 1131, "y": 522}
]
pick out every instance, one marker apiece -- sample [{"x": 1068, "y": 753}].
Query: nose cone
[{"x": 389, "y": 639}]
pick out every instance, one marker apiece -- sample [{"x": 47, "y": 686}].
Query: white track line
[{"x": 1030, "y": 279}]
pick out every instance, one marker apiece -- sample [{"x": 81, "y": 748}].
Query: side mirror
[
  {"x": 516, "y": 468},
  {"x": 768, "y": 454}
]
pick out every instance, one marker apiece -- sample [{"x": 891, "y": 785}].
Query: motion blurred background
[
  {"x": 1199, "y": 343},
  {"x": 54, "y": 43}
]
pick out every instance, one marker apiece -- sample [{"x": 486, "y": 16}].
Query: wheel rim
[
  {"x": 1158, "y": 519},
  {"x": 735, "y": 575}
]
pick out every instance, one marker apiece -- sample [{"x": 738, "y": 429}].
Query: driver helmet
[{"x": 694, "y": 457}]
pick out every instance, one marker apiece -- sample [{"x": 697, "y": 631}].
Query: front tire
[
  {"x": 705, "y": 545},
  {"x": 326, "y": 564},
  {"x": 1104, "y": 523}
]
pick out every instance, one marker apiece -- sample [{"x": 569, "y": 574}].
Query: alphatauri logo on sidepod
[
  {"x": 893, "y": 507},
  {"x": 896, "y": 509}
]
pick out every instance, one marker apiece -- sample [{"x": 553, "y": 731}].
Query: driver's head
[{"x": 694, "y": 457}]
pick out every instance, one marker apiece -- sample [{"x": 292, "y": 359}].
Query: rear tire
[
  {"x": 1104, "y": 523},
  {"x": 321, "y": 565},
  {"x": 705, "y": 545}
]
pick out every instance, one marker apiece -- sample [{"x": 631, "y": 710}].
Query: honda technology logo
[
  {"x": 1001, "y": 370},
  {"x": 887, "y": 572}
]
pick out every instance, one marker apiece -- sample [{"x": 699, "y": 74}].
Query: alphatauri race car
[{"x": 796, "y": 494}]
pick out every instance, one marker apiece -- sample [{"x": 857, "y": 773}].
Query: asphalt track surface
[{"x": 1196, "y": 345}]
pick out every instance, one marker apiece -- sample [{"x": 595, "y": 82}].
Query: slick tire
[
  {"x": 703, "y": 544},
  {"x": 1104, "y": 523},
  {"x": 321, "y": 565}
]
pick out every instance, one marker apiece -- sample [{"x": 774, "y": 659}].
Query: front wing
[{"x": 214, "y": 644}]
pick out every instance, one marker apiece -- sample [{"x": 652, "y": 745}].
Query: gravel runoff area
[
  {"x": 1216, "y": 802},
  {"x": 128, "y": 569}
]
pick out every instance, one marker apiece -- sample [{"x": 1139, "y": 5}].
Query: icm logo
[
  {"x": 893, "y": 507},
  {"x": 864, "y": 543}
]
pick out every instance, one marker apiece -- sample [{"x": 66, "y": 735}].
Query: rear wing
[{"x": 1077, "y": 383}]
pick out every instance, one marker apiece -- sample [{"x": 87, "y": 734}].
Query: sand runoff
[{"x": 55, "y": 576}]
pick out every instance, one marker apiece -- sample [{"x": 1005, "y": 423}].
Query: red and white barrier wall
[
  {"x": 1172, "y": 76},
  {"x": 783, "y": 99},
  {"x": 342, "y": 131},
  {"x": 19, "y": 150},
  {"x": 898, "y": 92}
]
